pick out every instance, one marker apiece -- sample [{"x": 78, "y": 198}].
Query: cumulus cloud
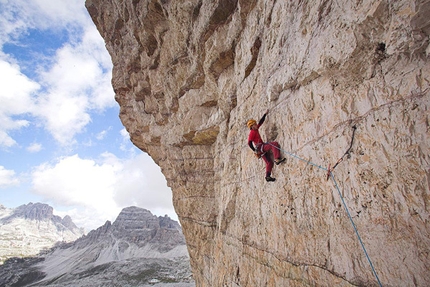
[
  {"x": 73, "y": 84},
  {"x": 7, "y": 177},
  {"x": 76, "y": 181},
  {"x": 16, "y": 100},
  {"x": 141, "y": 183},
  {"x": 78, "y": 83},
  {"x": 102, "y": 188},
  {"x": 17, "y": 16}
]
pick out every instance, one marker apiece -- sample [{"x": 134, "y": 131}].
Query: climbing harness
[
  {"x": 329, "y": 170},
  {"x": 330, "y": 174},
  {"x": 260, "y": 147},
  {"x": 259, "y": 152}
]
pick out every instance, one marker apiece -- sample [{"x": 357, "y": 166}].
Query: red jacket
[{"x": 254, "y": 137}]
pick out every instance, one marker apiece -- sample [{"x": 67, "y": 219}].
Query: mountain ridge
[
  {"x": 30, "y": 228},
  {"x": 137, "y": 247}
]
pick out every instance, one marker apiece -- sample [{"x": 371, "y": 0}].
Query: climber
[{"x": 262, "y": 149}]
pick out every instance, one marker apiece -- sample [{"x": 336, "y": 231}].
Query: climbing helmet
[{"x": 250, "y": 123}]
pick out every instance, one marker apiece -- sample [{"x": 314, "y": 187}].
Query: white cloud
[
  {"x": 17, "y": 16},
  {"x": 7, "y": 177},
  {"x": 126, "y": 144},
  {"x": 76, "y": 83},
  {"x": 101, "y": 135},
  {"x": 46, "y": 13},
  {"x": 64, "y": 115},
  {"x": 76, "y": 181},
  {"x": 34, "y": 147},
  {"x": 104, "y": 187},
  {"x": 87, "y": 217},
  {"x": 125, "y": 135},
  {"x": 141, "y": 183},
  {"x": 83, "y": 68},
  {"x": 16, "y": 100},
  {"x": 16, "y": 89}
]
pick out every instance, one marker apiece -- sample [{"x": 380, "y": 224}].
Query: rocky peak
[
  {"x": 138, "y": 226},
  {"x": 41, "y": 212},
  {"x": 33, "y": 227},
  {"x": 168, "y": 223},
  {"x": 68, "y": 222},
  {"x": 136, "y": 218},
  {"x": 189, "y": 74},
  {"x": 94, "y": 235},
  {"x": 32, "y": 211}
]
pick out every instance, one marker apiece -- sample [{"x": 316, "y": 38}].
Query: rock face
[
  {"x": 30, "y": 228},
  {"x": 135, "y": 250},
  {"x": 189, "y": 74}
]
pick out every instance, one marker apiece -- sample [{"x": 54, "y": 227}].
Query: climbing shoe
[
  {"x": 269, "y": 178},
  {"x": 279, "y": 160}
]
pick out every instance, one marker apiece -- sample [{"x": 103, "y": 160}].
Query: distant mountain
[
  {"x": 31, "y": 228},
  {"x": 137, "y": 249}
]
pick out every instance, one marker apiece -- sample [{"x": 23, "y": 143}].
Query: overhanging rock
[{"x": 189, "y": 74}]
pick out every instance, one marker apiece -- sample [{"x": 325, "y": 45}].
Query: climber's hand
[{"x": 258, "y": 154}]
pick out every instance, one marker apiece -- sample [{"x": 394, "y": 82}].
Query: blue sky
[{"x": 61, "y": 140}]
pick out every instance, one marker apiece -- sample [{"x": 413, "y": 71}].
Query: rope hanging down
[{"x": 330, "y": 174}]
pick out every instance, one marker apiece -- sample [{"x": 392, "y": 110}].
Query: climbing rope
[
  {"x": 330, "y": 174},
  {"x": 355, "y": 229}
]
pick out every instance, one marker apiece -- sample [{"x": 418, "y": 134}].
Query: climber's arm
[
  {"x": 250, "y": 144},
  {"x": 263, "y": 118}
]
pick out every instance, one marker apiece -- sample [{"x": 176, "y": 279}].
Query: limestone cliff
[{"x": 189, "y": 74}]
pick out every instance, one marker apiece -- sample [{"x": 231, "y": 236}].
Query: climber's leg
[
  {"x": 276, "y": 150},
  {"x": 269, "y": 166}
]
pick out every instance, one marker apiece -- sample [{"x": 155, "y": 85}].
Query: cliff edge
[{"x": 189, "y": 74}]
